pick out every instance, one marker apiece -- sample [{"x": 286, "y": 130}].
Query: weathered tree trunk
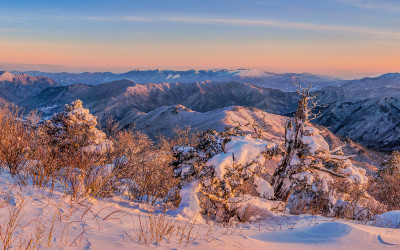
[{"x": 293, "y": 133}]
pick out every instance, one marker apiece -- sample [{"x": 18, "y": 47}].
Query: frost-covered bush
[
  {"x": 80, "y": 147},
  {"x": 216, "y": 174},
  {"x": 76, "y": 129}
]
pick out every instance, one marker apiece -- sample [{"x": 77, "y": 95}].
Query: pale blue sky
[{"x": 336, "y": 37}]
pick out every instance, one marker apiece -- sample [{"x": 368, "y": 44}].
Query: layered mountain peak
[
  {"x": 6, "y": 76},
  {"x": 25, "y": 79},
  {"x": 390, "y": 80},
  {"x": 14, "y": 88}
]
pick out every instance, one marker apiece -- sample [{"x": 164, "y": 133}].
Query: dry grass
[
  {"x": 21, "y": 229},
  {"x": 8, "y": 228},
  {"x": 158, "y": 228}
]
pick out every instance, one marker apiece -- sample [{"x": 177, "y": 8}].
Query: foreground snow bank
[
  {"x": 330, "y": 235},
  {"x": 111, "y": 223}
]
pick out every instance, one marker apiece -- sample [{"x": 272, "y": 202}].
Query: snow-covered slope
[
  {"x": 163, "y": 120},
  {"x": 373, "y": 122},
  {"x": 330, "y": 235}
]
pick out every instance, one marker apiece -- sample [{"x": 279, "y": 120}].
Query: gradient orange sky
[{"x": 337, "y": 37}]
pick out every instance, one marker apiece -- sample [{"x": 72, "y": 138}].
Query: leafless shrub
[
  {"x": 257, "y": 125},
  {"x": 78, "y": 173},
  {"x": 184, "y": 136},
  {"x": 385, "y": 186},
  {"x": 17, "y": 133},
  {"x": 144, "y": 166},
  {"x": 43, "y": 170},
  {"x": 181, "y": 136}
]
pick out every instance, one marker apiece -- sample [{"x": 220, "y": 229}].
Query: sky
[{"x": 343, "y": 38}]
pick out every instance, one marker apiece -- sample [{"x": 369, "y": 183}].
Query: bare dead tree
[{"x": 292, "y": 144}]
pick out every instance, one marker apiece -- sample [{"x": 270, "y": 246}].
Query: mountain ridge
[
  {"x": 364, "y": 110},
  {"x": 252, "y": 76},
  {"x": 16, "y": 87}
]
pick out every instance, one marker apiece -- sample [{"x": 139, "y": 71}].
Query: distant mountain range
[
  {"x": 255, "y": 77},
  {"x": 365, "y": 110},
  {"x": 14, "y": 88},
  {"x": 390, "y": 80},
  {"x": 120, "y": 98}
]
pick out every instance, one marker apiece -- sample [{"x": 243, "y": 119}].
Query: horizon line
[{"x": 122, "y": 70}]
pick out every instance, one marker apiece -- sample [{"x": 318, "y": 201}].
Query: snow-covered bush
[
  {"x": 76, "y": 129},
  {"x": 81, "y": 148},
  {"x": 308, "y": 175},
  {"x": 217, "y": 174}
]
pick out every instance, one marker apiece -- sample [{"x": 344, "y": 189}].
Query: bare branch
[{"x": 329, "y": 171}]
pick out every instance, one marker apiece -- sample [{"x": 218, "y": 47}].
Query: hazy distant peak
[
  {"x": 389, "y": 80},
  {"x": 390, "y": 76},
  {"x": 254, "y": 73}
]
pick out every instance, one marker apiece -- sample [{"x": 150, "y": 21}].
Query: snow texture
[
  {"x": 240, "y": 150},
  {"x": 264, "y": 188}
]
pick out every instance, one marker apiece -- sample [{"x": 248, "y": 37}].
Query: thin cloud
[
  {"x": 11, "y": 19},
  {"x": 137, "y": 19},
  {"x": 375, "y": 4},
  {"x": 116, "y": 19},
  {"x": 262, "y": 23},
  {"x": 94, "y": 18},
  {"x": 9, "y": 30}
]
